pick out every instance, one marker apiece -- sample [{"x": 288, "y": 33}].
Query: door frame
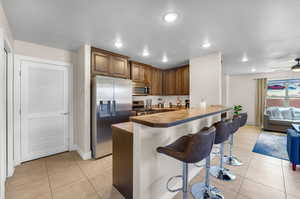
[
  {"x": 6, "y": 153},
  {"x": 17, "y": 101},
  {"x": 10, "y": 108}
]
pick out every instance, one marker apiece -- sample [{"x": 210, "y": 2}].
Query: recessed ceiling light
[
  {"x": 170, "y": 17},
  {"x": 245, "y": 59},
  {"x": 165, "y": 59},
  {"x": 118, "y": 44},
  {"x": 253, "y": 70},
  {"x": 145, "y": 53},
  {"x": 206, "y": 45}
]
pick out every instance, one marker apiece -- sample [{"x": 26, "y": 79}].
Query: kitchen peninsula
[{"x": 138, "y": 170}]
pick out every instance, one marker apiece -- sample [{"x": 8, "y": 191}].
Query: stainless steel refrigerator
[{"x": 111, "y": 104}]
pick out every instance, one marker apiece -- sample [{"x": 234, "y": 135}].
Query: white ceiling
[{"x": 265, "y": 30}]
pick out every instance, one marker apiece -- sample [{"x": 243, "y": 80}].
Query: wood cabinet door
[
  {"x": 141, "y": 73},
  {"x": 179, "y": 81},
  {"x": 159, "y": 85},
  {"x": 101, "y": 63},
  {"x": 186, "y": 81},
  {"x": 170, "y": 82},
  {"x": 156, "y": 82},
  {"x": 137, "y": 72},
  {"x": 119, "y": 67},
  {"x": 148, "y": 75}
]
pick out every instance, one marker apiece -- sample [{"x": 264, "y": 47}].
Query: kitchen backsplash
[{"x": 166, "y": 99}]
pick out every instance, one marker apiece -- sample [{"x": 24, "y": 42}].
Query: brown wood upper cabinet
[
  {"x": 120, "y": 67},
  {"x": 100, "y": 63},
  {"x": 186, "y": 80},
  {"x": 176, "y": 81},
  {"x": 109, "y": 64},
  {"x": 156, "y": 82},
  {"x": 169, "y": 82},
  {"x": 173, "y": 81},
  {"x": 137, "y": 72}
]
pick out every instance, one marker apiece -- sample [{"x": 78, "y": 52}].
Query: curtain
[{"x": 261, "y": 92}]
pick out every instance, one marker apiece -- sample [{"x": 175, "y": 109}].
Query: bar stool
[
  {"x": 243, "y": 119},
  {"x": 188, "y": 149},
  {"x": 203, "y": 190},
  {"x": 223, "y": 130},
  {"x": 235, "y": 125}
]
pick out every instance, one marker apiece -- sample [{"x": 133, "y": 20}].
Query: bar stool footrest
[
  {"x": 174, "y": 190},
  {"x": 232, "y": 161},
  {"x": 221, "y": 174},
  {"x": 201, "y": 191}
]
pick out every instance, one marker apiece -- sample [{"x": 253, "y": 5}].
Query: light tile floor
[{"x": 66, "y": 176}]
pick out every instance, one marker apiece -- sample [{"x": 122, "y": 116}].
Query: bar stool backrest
[
  {"x": 236, "y": 121},
  {"x": 223, "y": 130},
  {"x": 200, "y": 145},
  {"x": 244, "y": 117}
]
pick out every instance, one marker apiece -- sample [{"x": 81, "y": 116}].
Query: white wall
[
  {"x": 5, "y": 26},
  {"x": 242, "y": 89},
  {"x": 82, "y": 85},
  {"x": 225, "y": 87},
  {"x": 43, "y": 52},
  {"x": 206, "y": 79},
  {"x": 5, "y": 35}
]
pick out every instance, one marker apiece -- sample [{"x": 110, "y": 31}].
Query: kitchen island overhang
[{"x": 152, "y": 170}]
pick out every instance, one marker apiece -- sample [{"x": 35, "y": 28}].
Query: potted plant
[{"x": 237, "y": 109}]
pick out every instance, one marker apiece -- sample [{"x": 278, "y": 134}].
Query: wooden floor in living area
[{"x": 66, "y": 176}]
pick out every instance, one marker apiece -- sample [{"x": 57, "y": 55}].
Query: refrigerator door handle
[
  {"x": 101, "y": 105},
  {"x": 114, "y": 106},
  {"x": 109, "y": 107}
]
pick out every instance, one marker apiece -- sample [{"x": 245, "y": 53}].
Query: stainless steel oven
[{"x": 140, "y": 89}]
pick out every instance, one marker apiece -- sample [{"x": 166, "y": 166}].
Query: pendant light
[{"x": 296, "y": 68}]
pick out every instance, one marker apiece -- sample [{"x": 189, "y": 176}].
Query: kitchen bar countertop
[
  {"x": 173, "y": 118},
  {"x": 125, "y": 126}
]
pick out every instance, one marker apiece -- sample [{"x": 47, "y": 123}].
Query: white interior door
[{"x": 44, "y": 109}]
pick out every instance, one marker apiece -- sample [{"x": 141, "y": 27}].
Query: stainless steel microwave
[{"x": 140, "y": 89}]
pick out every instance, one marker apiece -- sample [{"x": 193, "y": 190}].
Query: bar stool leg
[
  {"x": 219, "y": 171},
  {"x": 185, "y": 180},
  {"x": 231, "y": 160},
  {"x": 205, "y": 190}
]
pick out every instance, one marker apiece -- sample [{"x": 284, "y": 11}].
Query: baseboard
[
  {"x": 74, "y": 147},
  {"x": 251, "y": 123},
  {"x": 84, "y": 156},
  {"x": 11, "y": 172}
]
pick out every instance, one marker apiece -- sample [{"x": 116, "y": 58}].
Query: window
[{"x": 283, "y": 93}]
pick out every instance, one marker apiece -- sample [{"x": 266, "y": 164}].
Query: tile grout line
[
  {"x": 244, "y": 177},
  {"x": 87, "y": 178},
  {"x": 283, "y": 176},
  {"x": 48, "y": 176},
  {"x": 239, "y": 191}
]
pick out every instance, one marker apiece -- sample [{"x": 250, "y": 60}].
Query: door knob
[{"x": 65, "y": 113}]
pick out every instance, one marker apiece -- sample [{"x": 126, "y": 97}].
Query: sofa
[{"x": 280, "y": 118}]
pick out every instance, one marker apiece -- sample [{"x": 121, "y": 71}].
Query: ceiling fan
[{"x": 296, "y": 68}]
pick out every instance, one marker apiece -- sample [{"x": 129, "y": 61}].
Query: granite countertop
[{"x": 173, "y": 118}]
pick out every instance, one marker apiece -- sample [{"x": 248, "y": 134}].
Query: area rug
[{"x": 272, "y": 144}]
